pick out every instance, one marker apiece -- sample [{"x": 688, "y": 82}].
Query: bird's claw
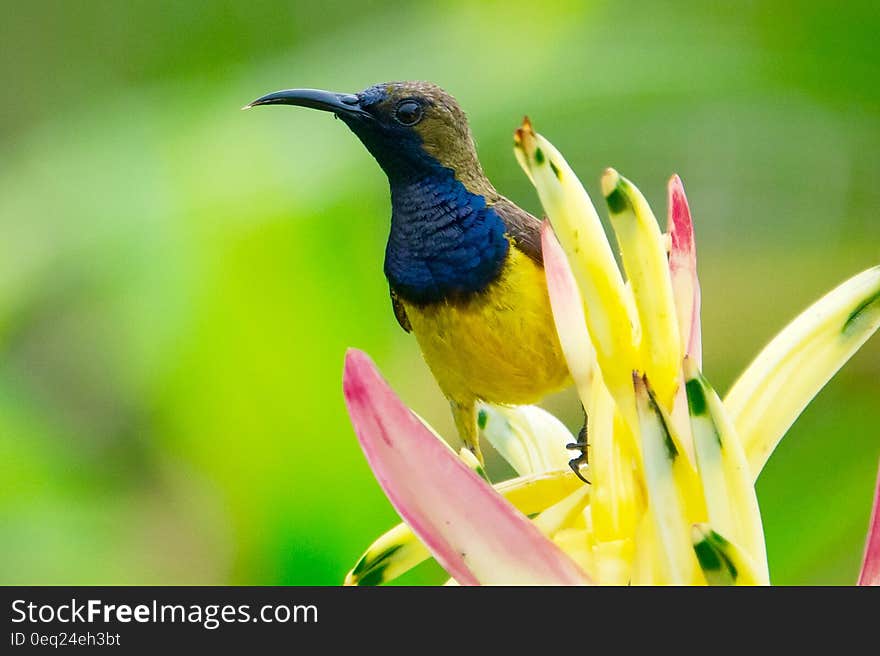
[
  {"x": 581, "y": 445},
  {"x": 575, "y": 463}
]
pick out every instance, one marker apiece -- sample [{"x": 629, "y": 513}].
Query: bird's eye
[{"x": 408, "y": 112}]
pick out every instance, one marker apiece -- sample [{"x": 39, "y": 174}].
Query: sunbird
[{"x": 463, "y": 263}]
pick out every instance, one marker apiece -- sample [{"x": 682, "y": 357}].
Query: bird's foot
[
  {"x": 583, "y": 459},
  {"x": 575, "y": 463}
]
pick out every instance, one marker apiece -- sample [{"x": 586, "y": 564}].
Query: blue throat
[{"x": 445, "y": 242}]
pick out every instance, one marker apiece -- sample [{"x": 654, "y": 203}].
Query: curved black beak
[{"x": 345, "y": 104}]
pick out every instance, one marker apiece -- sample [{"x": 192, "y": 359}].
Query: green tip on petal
[
  {"x": 391, "y": 555},
  {"x": 863, "y": 315},
  {"x": 467, "y": 457},
  {"x": 722, "y": 561},
  {"x": 696, "y": 398},
  {"x": 712, "y": 554},
  {"x": 614, "y": 194}
]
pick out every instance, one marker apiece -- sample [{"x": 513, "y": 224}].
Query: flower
[{"x": 672, "y": 466}]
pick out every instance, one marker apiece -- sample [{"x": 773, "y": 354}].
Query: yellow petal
[
  {"x": 724, "y": 472},
  {"x": 617, "y": 499},
  {"x": 797, "y": 363},
  {"x": 613, "y": 562},
  {"x": 646, "y": 568},
  {"x": 576, "y": 543},
  {"x": 562, "y": 513},
  {"x": 532, "y": 494},
  {"x": 647, "y": 270},
  {"x": 668, "y": 489},
  {"x": 392, "y": 554},
  {"x": 580, "y": 232}
]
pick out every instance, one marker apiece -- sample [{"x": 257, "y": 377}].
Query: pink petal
[
  {"x": 683, "y": 270},
  {"x": 568, "y": 313},
  {"x": 870, "y": 574},
  {"x": 472, "y": 531}
]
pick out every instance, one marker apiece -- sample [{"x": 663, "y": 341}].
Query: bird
[{"x": 463, "y": 262}]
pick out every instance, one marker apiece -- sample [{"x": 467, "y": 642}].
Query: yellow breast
[{"x": 500, "y": 345}]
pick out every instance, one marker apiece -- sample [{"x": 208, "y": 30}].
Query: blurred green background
[{"x": 179, "y": 280}]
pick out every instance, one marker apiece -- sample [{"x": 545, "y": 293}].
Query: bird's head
[{"x": 411, "y": 128}]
